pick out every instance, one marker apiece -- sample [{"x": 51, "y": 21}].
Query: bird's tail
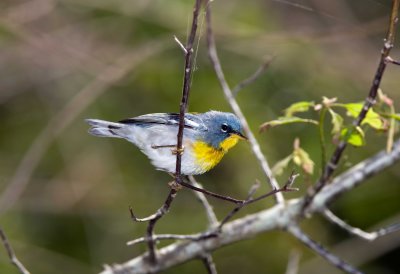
[{"x": 101, "y": 128}]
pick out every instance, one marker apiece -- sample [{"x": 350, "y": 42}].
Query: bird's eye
[{"x": 224, "y": 128}]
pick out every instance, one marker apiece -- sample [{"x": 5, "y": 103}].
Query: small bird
[{"x": 206, "y": 138}]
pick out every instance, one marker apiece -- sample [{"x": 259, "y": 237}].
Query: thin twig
[
  {"x": 212, "y": 218},
  {"x": 210, "y": 193},
  {"x": 293, "y": 262},
  {"x": 212, "y": 53},
  {"x": 369, "y": 102},
  {"x": 152, "y": 222},
  {"x": 183, "y": 107},
  {"x": 320, "y": 250},
  {"x": 180, "y": 44},
  {"x": 11, "y": 254},
  {"x": 369, "y": 236},
  {"x": 253, "y": 77},
  {"x": 392, "y": 61},
  {"x": 209, "y": 264}
]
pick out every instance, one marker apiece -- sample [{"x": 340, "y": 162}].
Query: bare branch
[
  {"x": 253, "y": 77},
  {"x": 320, "y": 250},
  {"x": 212, "y": 53},
  {"x": 11, "y": 254},
  {"x": 369, "y": 102},
  {"x": 369, "y": 236}
]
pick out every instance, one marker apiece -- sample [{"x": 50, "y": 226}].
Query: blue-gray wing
[{"x": 192, "y": 121}]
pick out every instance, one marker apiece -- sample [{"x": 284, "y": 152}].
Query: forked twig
[{"x": 249, "y": 200}]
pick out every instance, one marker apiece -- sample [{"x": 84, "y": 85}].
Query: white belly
[{"x": 151, "y": 140}]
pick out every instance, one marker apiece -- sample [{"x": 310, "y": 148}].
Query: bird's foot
[
  {"x": 175, "y": 151},
  {"x": 174, "y": 185}
]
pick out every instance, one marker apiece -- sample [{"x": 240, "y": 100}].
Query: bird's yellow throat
[{"x": 207, "y": 156}]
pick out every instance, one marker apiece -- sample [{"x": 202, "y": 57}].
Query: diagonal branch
[{"x": 212, "y": 53}]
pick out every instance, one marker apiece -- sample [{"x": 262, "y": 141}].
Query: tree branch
[{"x": 278, "y": 217}]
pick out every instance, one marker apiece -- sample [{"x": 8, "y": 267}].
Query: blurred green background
[{"x": 63, "y": 61}]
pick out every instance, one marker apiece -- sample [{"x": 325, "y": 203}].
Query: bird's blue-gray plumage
[{"x": 156, "y": 135}]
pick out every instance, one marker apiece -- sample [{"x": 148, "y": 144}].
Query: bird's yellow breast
[{"x": 207, "y": 156}]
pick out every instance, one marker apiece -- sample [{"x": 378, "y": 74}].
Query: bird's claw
[{"x": 175, "y": 151}]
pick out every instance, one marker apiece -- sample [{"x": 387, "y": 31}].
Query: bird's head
[{"x": 223, "y": 130}]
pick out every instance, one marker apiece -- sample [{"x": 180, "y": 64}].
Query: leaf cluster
[{"x": 381, "y": 118}]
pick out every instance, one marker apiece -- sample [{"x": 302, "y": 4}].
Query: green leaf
[
  {"x": 285, "y": 120},
  {"x": 373, "y": 119},
  {"x": 353, "y": 109},
  {"x": 354, "y": 136},
  {"x": 302, "y": 159},
  {"x": 337, "y": 121},
  {"x": 278, "y": 168},
  {"x": 298, "y": 107}
]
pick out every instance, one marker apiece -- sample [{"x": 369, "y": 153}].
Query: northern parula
[{"x": 206, "y": 138}]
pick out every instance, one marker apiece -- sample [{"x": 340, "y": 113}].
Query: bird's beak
[{"x": 240, "y": 135}]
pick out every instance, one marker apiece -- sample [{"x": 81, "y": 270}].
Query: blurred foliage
[{"x": 73, "y": 215}]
